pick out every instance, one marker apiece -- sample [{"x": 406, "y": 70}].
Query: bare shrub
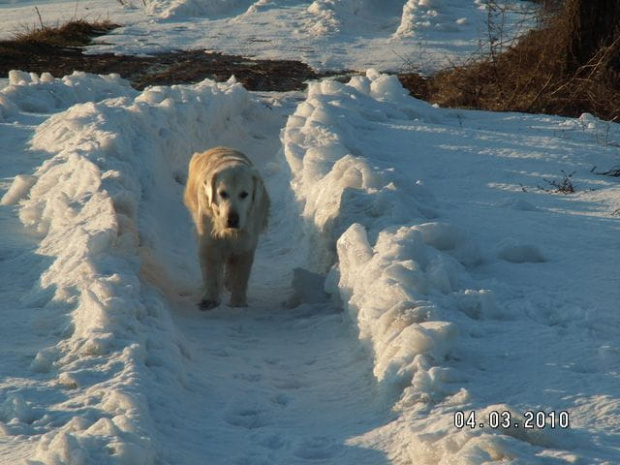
[
  {"x": 555, "y": 69},
  {"x": 563, "y": 186}
]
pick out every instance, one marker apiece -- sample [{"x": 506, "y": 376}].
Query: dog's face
[{"x": 231, "y": 192}]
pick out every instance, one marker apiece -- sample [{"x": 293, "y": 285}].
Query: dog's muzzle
[{"x": 233, "y": 220}]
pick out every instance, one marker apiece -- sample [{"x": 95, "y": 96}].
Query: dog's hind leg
[{"x": 238, "y": 273}]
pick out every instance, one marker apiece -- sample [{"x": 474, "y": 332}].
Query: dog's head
[{"x": 232, "y": 191}]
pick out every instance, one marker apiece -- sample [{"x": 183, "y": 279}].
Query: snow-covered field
[
  {"x": 326, "y": 34},
  {"x": 418, "y": 270}
]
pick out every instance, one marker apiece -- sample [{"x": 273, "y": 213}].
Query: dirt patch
[
  {"x": 165, "y": 68},
  {"x": 60, "y": 51}
]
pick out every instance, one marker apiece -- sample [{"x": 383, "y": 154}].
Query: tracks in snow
[
  {"x": 274, "y": 383},
  {"x": 271, "y": 385}
]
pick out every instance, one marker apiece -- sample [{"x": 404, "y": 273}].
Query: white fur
[{"x": 229, "y": 205}]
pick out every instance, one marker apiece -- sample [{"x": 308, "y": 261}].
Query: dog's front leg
[
  {"x": 239, "y": 275},
  {"x": 212, "y": 267}
]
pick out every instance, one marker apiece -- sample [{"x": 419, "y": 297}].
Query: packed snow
[{"x": 424, "y": 293}]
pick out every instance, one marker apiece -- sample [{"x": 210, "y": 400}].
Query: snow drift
[
  {"x": 189, "y": 8},
  {"x": 45, "y": 94},
  {"x": 373, "y": 224}
]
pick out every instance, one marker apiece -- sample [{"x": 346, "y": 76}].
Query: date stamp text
[{"x": 530, "y": 419}]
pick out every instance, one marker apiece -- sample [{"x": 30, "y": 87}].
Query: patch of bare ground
[{"x": 60, "y": 51}]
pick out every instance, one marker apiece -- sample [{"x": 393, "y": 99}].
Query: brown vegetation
[
  {"x": 568, "y": 67},
  {"x": 71, "y": 34}
]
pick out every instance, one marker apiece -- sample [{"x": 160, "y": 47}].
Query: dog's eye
[
  {"x": 223, "y": 194},
  {"x": 243, "y": 195}
]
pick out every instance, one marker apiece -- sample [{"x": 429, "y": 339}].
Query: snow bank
[
  {"x": 330, "y": 173},
  {"x": 30, "y": 92},
  {"x": 406, "y": 18},
  {"x": 419, "y": 15},
  {"x": 331, "y": 17},
  {"x": 401, "y": 273},
  {"x": 193, "y": 8},
  {"x": 115, "y": 165},
  {"x": 373, "y": 222}
]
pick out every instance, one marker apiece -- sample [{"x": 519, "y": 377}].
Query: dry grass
[
  {"x": 76, "y": 33},
  {"x": 31, "y": 44},
  {"x": 535, "y": 75}
]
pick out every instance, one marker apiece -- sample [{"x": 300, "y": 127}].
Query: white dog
[{"x": 229, "y": 204}]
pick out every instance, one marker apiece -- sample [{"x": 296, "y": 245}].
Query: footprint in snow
[
  {"x": 288, "y": 384},
  {"x": 513, "y": 252},
  {"x": 273, "y": 441},
  {"x": 318, "y": 448},
  {"x": 281, "y": 400},
  {"x": 250, "y": 377},
  {"x": 247, "y": 417}
]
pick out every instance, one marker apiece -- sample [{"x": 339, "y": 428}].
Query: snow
[
  {"x": 420, "y": 289},
  {"x": 418, "y": 266},
  {"x": 326, "y": 34}
]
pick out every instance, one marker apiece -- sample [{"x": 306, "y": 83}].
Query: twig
[{"x": 36, "y": 8}]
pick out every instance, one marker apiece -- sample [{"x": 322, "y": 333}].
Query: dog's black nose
[{"x": 233, "y": 220}]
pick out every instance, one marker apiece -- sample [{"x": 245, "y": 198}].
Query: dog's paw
[
  {"x": 237, "y": 302},
  {"x": 207, "y": 304}
]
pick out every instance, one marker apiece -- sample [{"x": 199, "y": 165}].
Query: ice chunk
[{"x": 19, "y": 189}]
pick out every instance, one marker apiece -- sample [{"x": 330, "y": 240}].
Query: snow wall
[
  {"x": 377, "y": 230},
  {"x": 399, "y": 269}
]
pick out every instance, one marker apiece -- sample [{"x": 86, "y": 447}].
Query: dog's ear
[
  {"x": 209, "y": 187},
  {"x": 257, "y": 188},
  {"x": 260, "y": 202}
]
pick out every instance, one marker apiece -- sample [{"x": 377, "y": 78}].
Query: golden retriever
[{"x": 230, "y": 206}]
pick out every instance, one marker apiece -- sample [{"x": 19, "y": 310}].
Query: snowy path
[
  {"x": 284, "y": 381},
  {"x": 18, "y": 257},
  {"x": 272, "y": 386}
]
